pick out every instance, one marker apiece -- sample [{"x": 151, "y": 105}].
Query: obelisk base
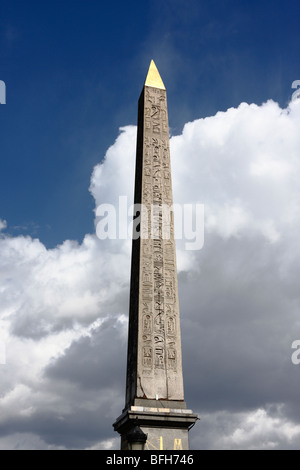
[{"x": 166, "y": 428}]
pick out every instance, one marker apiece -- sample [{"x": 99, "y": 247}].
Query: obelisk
[{"x": 154, "y": 388}]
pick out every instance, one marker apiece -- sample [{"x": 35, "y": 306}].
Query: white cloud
[
  {"x": 117, "y": 170},
  {"x": 26, "y": 441},
  {"x": 243, "y": 165},
  {"x": 263, "y": 430},
  {"x": 260, "y": 429},
  {"x": 3, "y": 225},
  {"x": 46, "y": 290},
  {"x": 62, "y": 310}
]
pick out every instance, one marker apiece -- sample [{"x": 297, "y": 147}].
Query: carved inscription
[
  {"x": 147, "y": 323},
  {"x": 147, "y": 357},
  {"x": 160, "y": 358},
  {"x": 171, "y": 326},
  {"x": 158, "y": 265},
  {"x": 171, "y": 358}
]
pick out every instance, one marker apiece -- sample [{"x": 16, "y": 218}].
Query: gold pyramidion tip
[{"x": 153, "y": 78}]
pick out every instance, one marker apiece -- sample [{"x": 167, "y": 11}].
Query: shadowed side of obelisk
[{"x": 133, "y": 325}]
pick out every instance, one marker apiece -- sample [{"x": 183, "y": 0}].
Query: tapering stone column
[{"x": 154, "y": 388}]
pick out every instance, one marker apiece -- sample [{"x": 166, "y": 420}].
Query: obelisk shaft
[
  {"x": 154, "y": 364},
  {"x": 154, "y": 389}
]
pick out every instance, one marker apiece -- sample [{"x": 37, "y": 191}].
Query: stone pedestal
[{"x": 166, "y": 428}]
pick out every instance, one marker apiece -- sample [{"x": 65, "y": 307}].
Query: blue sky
[{"x": 74, "y": 71}]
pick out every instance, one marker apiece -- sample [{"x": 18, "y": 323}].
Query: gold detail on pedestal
[{"x": 177, "y": 444}]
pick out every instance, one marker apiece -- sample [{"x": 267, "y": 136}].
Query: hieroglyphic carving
[
  {"x": 159, "y": 340},
  {"x": 160, "y": 358},
  {"x": 147, "y": 357},
  {"x": 147, "y": 323},
  {"x": 158, "y": 267},
  {"x": 171, "y": 326},
  {"x": 154, "y": 353},
  {"x": 159, "y": 322},
  {"x": 171, "y": 358}
]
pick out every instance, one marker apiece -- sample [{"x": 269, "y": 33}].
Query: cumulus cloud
[
  {"x": 260, "y": 429},
  {"x": 3, "y": 225},
  {"x": 63, "y": 311},
  {"x": 49, "y": 290}
]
